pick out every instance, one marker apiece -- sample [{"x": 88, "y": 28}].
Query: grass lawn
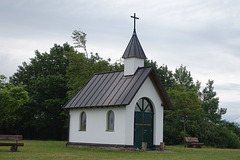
[{"x": 56, "y": 150}]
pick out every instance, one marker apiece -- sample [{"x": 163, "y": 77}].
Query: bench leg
[
  {"x": 13, "y": 148},
  {"x": 190, "y": 146}
]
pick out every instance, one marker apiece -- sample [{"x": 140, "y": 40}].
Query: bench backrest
[
  {"x": 191, "y": 139},
  {"x": 11, "y": 137}
]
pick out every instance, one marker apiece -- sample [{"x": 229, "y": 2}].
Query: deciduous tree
[
  {"x": 80, "y": 40},
  {"x": 186, "y": 104},
  {"x": 46, "y": 82},
  {"x": 210, "y": 103},
  {"x": 11, "y": 99},
  {"x": 183, "y": 77}
]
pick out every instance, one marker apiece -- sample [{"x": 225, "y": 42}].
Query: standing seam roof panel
[
  {"x": 80, "y": 93},
  {"x": 104, "y": 86},
  {"x": 121, "y": 90},
  {"x": 129, "y": 87},
  {"x": 109, "y": 91},
  {"x": 114, "y": 92},
  {"x": 90, "y": 86},
  {"x": 139, "y": 48},
  {"x": 136, "y": 86},
  {"x": 91, "y": 97},
  {"x": 132, "y": 52}
]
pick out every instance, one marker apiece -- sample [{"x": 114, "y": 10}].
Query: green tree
[
  {"x": 222, "y": 135},
  {"x": 150, "y": 63},
  {"x": 11, "y": 99},
  {"x": 210, "y": 103},
  {"x": 183, "y": 77},
  {"x": 46, "y": 82},
  {"x": 77, "y": 71},
  {"x": 117, "y": 66},
  {"x": 80, "y": 40},
  {"x": 226, "y": 138},
  {"x": 165, "y": 75},
  {"x": 186, "y": 104}
]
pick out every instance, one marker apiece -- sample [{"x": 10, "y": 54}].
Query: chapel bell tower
[{"x": 134, "y": 55}]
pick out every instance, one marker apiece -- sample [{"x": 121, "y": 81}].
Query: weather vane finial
[{"x": 134, "y": 17}]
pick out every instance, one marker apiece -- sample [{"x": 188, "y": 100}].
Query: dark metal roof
[
  {"x": 134, "y": 48},
  {"x": 115, "y": 89}
]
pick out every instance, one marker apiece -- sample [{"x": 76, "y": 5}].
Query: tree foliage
[
  {"x": 186, "y": 104},
  {"x": 211, "y": 103},
  {"x": 81, "y": 69},
  {"x": 183, "y": 77},
  {"x": 204, "y": 121},
  {"x": 79, "y": 38},
  {"x": 46, "y": 83},
  {"x": 12, "y": 98},
  {"x": 166, "y": 76}
]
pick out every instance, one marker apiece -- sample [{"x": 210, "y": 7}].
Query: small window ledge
[
  {"x": 109, "y": 130},
  {"x": 82, "y": 130}
]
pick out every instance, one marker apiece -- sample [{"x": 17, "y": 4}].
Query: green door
[{"x": 143, "y": 123}]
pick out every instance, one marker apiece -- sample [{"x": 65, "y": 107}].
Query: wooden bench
[
  {"x": 13, "y": 145},
  {"x": 193, "y": 142}
]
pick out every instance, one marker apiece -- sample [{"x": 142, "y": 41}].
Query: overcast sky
[{"x": 203, "y": 35}]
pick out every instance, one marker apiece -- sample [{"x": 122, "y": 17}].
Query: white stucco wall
[
  {"x": 147, "y": 90},
  {"x": 132, "y": 64},
  {"x": 96, "y": 126}
]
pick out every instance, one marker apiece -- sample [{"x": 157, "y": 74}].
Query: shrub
[{"x": 227, "y": 138}]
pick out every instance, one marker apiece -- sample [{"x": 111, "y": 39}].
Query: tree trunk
[{"x": 184, "y": 130}]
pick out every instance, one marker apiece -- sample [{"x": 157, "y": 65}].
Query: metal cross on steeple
[{"x": 134, "y": 17}]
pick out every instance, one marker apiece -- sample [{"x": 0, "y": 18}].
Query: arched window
[
  {"x": 110, "y": 121},
  {"x": 143, "y": 105},
  {"x": 83, "y": 119}
]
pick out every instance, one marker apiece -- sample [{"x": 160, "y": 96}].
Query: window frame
[
  {"x": 83, "y": 127},
  {"x": 109, "y": 120},
  {"x": 143, "y": 105}
]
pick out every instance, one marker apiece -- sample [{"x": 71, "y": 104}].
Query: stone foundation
[
  {"x": 127, "y": 148},
  {"x": 102, "y": 146}
]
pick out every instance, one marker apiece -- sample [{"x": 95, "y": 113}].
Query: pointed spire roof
[{"x": 134, "y": 48}]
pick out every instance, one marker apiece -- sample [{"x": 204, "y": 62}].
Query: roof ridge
[
  {"x": 107, "y": 72},
  {"x": 146, "y": 67}
]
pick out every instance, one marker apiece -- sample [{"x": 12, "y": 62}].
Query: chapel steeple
[{"x": 134, "y": 55}]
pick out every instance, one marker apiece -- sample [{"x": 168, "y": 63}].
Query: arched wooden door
[{"x": 143, "y": 123}]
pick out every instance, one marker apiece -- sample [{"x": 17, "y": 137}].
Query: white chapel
[{"x": 120, "y": 109}]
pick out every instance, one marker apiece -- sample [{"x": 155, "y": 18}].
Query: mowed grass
[{"x": 44, "y": 150}]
